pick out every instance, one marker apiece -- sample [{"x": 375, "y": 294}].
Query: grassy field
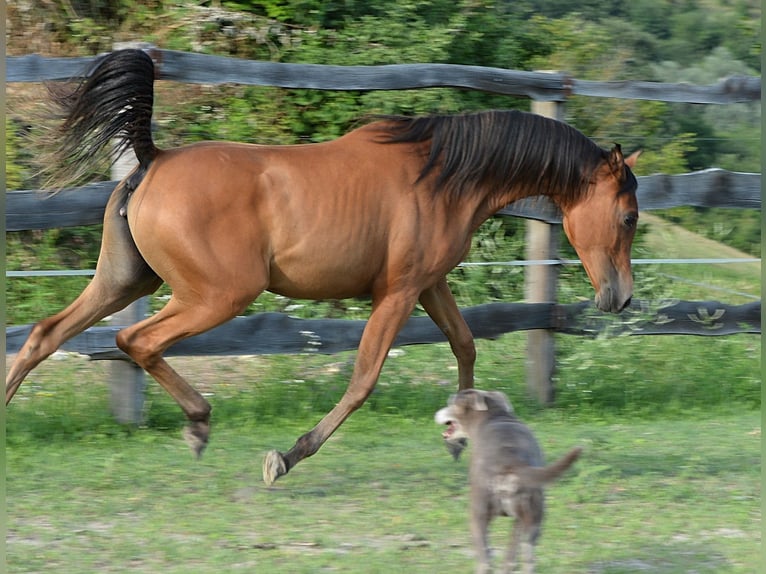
[{"x": 672, "y": 491}]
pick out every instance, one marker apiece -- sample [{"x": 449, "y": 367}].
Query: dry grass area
[{"x": 731, "y": 282}]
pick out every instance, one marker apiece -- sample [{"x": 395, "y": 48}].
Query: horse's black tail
[{"x": 111, "y": 106}]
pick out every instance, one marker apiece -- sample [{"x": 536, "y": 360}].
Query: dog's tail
[{"x": 538, "y": 476}]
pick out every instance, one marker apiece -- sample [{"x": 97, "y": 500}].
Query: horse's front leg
[
  {"x": 440, "y": 305},
  {"x": 388, "y": 316}
]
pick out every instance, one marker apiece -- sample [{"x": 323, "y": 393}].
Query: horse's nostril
[{"x": 626, "y": 304}]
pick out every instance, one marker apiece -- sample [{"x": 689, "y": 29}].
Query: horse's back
[{"x": 336, "y": 166}]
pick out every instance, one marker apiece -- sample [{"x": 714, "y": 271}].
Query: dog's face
[{"x": 468, "y": 407}]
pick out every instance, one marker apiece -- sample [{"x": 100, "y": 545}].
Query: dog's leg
[
  {"x": 528, "y": 557},
  {"x": 480, "y": 518},
  {"x": 527, "y": 540},
  {"x": 513, "y": 548},
  {"x": 528, "y": 508}
]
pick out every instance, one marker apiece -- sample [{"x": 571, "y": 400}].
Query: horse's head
[{"x": 601, "y": 227}]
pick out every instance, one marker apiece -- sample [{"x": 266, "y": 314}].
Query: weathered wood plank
[
  {"x": 204, "y": 69},
  {"x": 701, "y": 318},
  {"x": 731, "y": 90},
  {"x": 207, "y": 69},
  {"x": 277, "y": 333},
  {"x": 35, "y": 209},
  {"x": 34, "y": 68},
  {"x": 707, "y": 188}
]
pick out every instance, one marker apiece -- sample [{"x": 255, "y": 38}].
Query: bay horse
[{"x": 385, "y": 211}]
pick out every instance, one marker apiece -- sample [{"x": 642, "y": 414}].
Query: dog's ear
[
  {"x": 478, "y": 402},
  {"x": 501, "y": 400}
]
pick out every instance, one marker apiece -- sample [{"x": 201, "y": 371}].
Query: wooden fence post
[
  {"x": 126, "y": 379},
  {"x": 540, "y": 287}
]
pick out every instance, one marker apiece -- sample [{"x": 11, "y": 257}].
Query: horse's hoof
[
  {"x": 274, "y": 466},
  {"x": 456, "y": 446},
  {"x": 196, "y": 436}
]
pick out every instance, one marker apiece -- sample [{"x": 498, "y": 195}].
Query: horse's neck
[{"x": 492, "y": 202}]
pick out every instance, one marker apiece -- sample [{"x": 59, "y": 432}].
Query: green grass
[
  {"x": 669, "y": 482},
  {"x": 626, "y": 377},
  {"x": 382, "y": 495}
]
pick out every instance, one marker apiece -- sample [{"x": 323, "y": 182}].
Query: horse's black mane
[{"x": 495, "y": 148}]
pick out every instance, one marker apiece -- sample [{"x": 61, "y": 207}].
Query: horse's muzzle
[{"x": 610, "y": 301}]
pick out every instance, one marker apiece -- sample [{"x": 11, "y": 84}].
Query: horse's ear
[
  {"x": 630, "y": 161},
  {"x": 616, "y": 160}
]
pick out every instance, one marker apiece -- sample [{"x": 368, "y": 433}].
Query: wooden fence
[
  {"x": 245, "y": 335},
  {"x": 539, "y": 86}
]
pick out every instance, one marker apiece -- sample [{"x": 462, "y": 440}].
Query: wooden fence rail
[
  {"x": 37, "y": 209},
  {"x": 278, "y": 333},
  {"x": 540, "y": 86}
]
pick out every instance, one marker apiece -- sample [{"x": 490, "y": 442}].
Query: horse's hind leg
[
  {"x": 94, "y": 303},
  {"x": 147, "y": 340},
  {"x": 121, "y": 277}
]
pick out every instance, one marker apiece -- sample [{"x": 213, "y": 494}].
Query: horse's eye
[{"x": 630, "y": 220}]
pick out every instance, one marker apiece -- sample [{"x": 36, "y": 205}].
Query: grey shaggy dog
[{"x": 507, "y": 472}]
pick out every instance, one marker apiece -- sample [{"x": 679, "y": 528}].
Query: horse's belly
[{"x": 312, "y": 281}]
